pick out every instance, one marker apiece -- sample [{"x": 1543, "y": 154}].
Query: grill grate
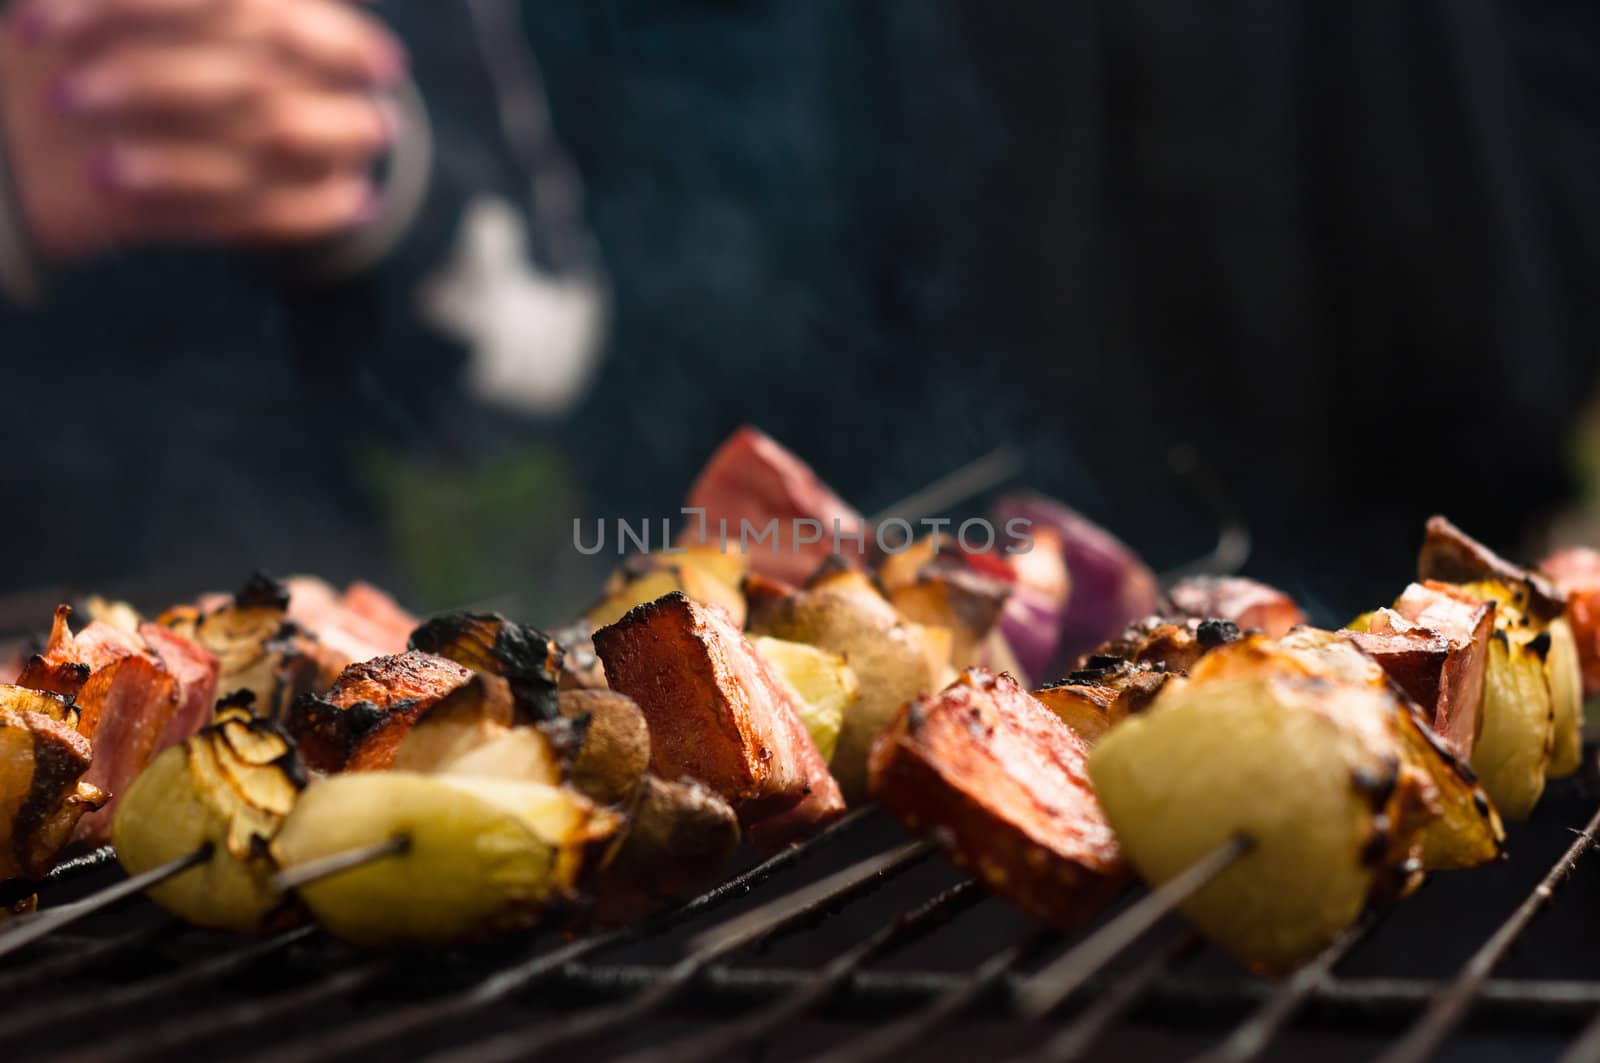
[{"x": 850, "y": 947}]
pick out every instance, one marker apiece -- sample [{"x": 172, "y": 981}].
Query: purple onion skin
[
  {"x": 1111, "y": 587},
  {"x": 1031, "y": 625}
]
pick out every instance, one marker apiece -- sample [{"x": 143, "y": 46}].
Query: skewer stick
[
  {"x": 954, "y": 488},
  {"x": 26, "y": 931},
  {"x": 338, "y": 863},
  {"x": 1067, "y": 974}
]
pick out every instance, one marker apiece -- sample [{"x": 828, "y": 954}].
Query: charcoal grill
[{"x": 860, "y": 944}]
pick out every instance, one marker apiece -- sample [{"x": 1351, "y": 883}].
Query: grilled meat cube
[
  {"x": 1095, "y": 699},
  {"x": 529, "y": 660},
  {"x": 194, "y": 670},
  {"x": 1576, "y": 572},
  {"x": 357, "y": 625},
  {"x": 1465, "y": 622},
  {"x": 1450, "y": 555},
  {"x": 1000, "y": 782},
  {"x": 58, "y": 667},
  {"x": 1251, "y": 605},
  {"x": 359, "y": 724},
  {"x": 718, "y": 714},
  {"x": 43, "y": 792},
  {"x": 752, "y": 478}
]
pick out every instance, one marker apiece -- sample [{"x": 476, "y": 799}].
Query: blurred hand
[{"x": 133, "y": 121}]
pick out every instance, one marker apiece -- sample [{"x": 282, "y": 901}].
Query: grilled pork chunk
[
  {"x": 359, "y": 624},
  {"x": 43, "y": 761},
  {"x": 1103, "y": 693},
  {"x": 718, "y": 714},
  {"x": 359, "y": 724},
  {"x": 751, "y": 477},
  {"x": 1000, "y": 782},
  {"x": 1168, "y": 645},
  {"x": 1451, "y": 555},
  {"x": 194, "y": 670},
  {"x": 1249, "y": 604},
  {"x": 1435, "y": 644}
]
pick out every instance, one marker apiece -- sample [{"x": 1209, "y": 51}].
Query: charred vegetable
[
  {"x": 1103, "y": 693},
  {"x": 1315, "y": 771},
  {"x": 612, "y": 742},
  {"x": 678, "y": 839},
  {"x": 528, "y": 660},
  {"x": 229, "y": 787},
  {"x": 1000, "y": 781},
  {"x": 481, "y": 855},
  {"x": 702, "y": 573},
  {"x": 359, "y": 724},
  {"x": 43, "y": 761}
]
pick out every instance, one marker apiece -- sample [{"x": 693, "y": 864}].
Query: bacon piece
[
  {"x": 1576, "y": 571},
  {"x": 359, "y": 724},
  {"x": 751, "y": 477},
  {"x": 718, "y": 714},
  {"x": 381, "y": 612},
  {"x": 1000, "y": 782},
  {"x": 359, "y": 625},
  {"x": 58, "y": 668},
  {"x": 1465, "y": 623},
  {"x": 194, "y": 669},
  {"x": 1246, "y": 602},
  {"x": 1452, "y": 556},
  {"x": 43, "y": 795},
  {"x": 126, "y": 704}
]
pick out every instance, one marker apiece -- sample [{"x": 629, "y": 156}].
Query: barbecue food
[
  {"x": 529, "y": 660},
  {"x": 359, "y": 724},
  {"x": 717, "y": 713},
  {"x": 361, "y": 623},
  {"x": 1103, "y": 693},
  {"x": 894, "y": 659},
  {"x": 481, "y": 856},
  {"x": 943, "y": 588},
  {"x": 1564, "y": 669},
  {"x": 194, "y": 671},
  {"x": 1000, "y": 782},
  {"x": 257, "y": 650},
  {"x": 613, "y": 745},
  {"x": 1110, "y": 586},
  {"x": 820, "y": 685},
  {"x": 703, "y": 573},
  {"x": 1450, "y": 555},
  {"x": 229, "y": 787},
  {"x": 43, "y": 795},
  {"x": 1519, "y": 719},
  {"x": 1314, "y": 770},
  {"x": 678, "y": 839},
  {"x": 1435, "y": 644},
  {"x": 1251, "y": 605},
  {"x": 752, "y": 481},
  {"x": 1576, "y": 572}
]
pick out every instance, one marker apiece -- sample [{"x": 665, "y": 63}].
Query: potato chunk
[{"x": 1000, "y": 781}]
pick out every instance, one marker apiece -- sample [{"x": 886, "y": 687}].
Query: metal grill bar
[
  {"x": 164, "y": 1037},
  {"x": 28, "y": 929},
  {"x": 1081, "y": 1034},
  {"x": 889, "y": 1039},
  {"x": 735, "y": 934},
  {"x": 79, "y": 959},
  {"x": 1065, "y": 975},
  {"x": 1425, "y": 1037},
  {"x": 1586, "y": 1049},
  {"x": 61, "y": 1011},
  {"x": 717, "y": 1043},
  {"x": 1251, "y": 1037},
  {"x": 508, "y": 980}
]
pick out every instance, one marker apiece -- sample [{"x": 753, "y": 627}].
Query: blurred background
[{"x": 1323, "y": 265}]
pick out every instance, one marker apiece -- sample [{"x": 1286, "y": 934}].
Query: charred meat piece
[
  {"x": 58, "y": 668},
  {"x": 529, "y": 660},
  {"x": 1000, "y": 781},
  {"x": 359, "y": 724},
  {"x": 1095, "y": 699},
  {"x": 1408, "y": 639},
  {"x": 718, "y": 714},
  {"x": 1251, "y": 605},
  {"x": 357, "y": 625},
  {"x": 752, "y": 478},
  {"x": 1576, "y": 571},
  {"x": 194, "y": 669},
  {"x": 43, "y": 793},
  {"x": 1450, "y": 555}
]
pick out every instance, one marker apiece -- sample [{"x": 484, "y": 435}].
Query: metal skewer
[
  {"x": 32, "y": 928},
  {"x": 338, "y": 863}
]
